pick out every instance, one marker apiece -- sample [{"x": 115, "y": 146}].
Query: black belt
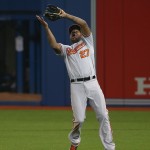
[{"x": 83, "y": 79}]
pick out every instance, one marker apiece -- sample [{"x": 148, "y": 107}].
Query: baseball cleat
[{"x": 73, "y": 147}]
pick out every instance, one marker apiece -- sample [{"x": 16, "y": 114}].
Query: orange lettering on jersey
[
  {"x": 75, "y": 50},
  {"x": 70, "y": 51},
  {"x": 84, "y": 53},
  {"x": 79, "y": 46}
]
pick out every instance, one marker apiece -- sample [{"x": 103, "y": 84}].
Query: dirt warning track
[{"x": 112, "y": 108}]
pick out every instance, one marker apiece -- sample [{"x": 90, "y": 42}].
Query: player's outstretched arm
[
  {"x": 83, "y": 24},
  {"x": 51, "y": 39}
]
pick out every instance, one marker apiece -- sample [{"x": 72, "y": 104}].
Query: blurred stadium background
[{"x": 31, "y": 74}]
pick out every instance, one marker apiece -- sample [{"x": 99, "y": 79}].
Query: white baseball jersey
[{"x": 79, "y": 58}]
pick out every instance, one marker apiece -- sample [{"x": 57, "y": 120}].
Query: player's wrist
[{"x": 64, "y": 15}]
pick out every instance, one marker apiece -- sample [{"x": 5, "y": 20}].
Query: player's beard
[{"x": 75, "y": 39}]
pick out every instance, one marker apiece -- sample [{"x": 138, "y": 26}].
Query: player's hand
[
  {"x": 63, "y": 13},
  {"x": 42, "y": 21}
]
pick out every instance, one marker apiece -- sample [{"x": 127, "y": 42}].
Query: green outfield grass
[{"x": 48, "y": 130}]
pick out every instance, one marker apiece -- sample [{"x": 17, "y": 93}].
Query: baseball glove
[{"x": 52, "y": 12}]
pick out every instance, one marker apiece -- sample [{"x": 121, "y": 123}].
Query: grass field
[{"x": 48, "y": 130}]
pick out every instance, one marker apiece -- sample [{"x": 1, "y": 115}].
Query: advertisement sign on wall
[{"x": 123, "y": 50}]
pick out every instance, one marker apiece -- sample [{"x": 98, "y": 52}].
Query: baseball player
[{"x": 79, "y": 60}]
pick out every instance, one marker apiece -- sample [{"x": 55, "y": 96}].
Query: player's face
[{"x": 75, "y": 36}]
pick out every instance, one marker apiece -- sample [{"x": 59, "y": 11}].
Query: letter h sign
[{"x": 141, "y": 86}]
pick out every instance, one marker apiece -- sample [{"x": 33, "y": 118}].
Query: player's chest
[{"x": 79, "y": 51}]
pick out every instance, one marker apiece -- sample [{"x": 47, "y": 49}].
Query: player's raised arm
[
  {"x": 82, "y": 23},
  {"x": 51, "y": 39}
]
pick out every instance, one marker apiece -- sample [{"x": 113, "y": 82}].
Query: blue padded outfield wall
[{"x": 48, "y": 71}]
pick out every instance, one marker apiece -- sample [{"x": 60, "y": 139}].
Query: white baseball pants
[{"x": 80, "y": 93}]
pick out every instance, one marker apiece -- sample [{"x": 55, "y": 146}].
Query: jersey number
[{"x": 84, "y": 53}]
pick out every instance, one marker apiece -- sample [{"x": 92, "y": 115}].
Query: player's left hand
[{"x": 52, "y": 12}]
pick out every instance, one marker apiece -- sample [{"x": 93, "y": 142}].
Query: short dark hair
[{"x": 74, "y": 26}]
